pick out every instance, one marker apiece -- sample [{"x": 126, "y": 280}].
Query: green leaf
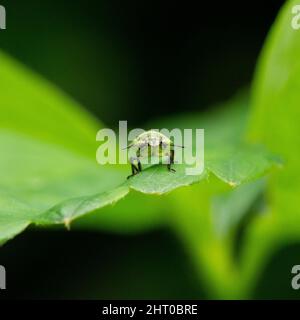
[
  {"x": 45, "y": 184},
  {"x": 276, "y": 114},
  {"x": 31, "y": 105},
  {"x": 226, "y": 155},
  {"x": 46, "y": 140},
  {"x": 229, "y": 208},
  {"x": 41, "y": 175},
  {"x": 71, "y": 209},
  {"x": 48, "y": 162},
  {"x": 233, "y": 165},
  {"x": 14, "y": 217},
  {"x": 207, "y": 215},
  {"x": 48, "y": 157},
  {"x": 158, "y": 180},
  {"x": 275, "y": 123},
  {"x": 241, "y": 163}
]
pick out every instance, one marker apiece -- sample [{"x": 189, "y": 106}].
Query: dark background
[
  {"x": 132, "y": 60},
  {"x": 138, "y": 59}
]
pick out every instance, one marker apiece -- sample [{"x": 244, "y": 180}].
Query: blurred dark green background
[
  {"x": 131, "y": 60},
  {"x": 138, "y": 59}
]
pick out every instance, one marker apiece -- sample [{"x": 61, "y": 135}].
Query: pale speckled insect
[{"x": 152, "y": 143}]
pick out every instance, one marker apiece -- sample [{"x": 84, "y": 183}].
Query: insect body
[{"x": 151, "y": 143}]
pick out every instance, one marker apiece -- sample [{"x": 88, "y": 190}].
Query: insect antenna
[
  {"x": 127, "y": 147},
  {"x": 175, "y": 145}
]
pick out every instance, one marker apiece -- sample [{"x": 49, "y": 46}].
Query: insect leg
[
  {"x": 139, "y": 165},
  {"x": 171, "y": 161},
  {"x": 138, "y": 154},
  {"x": 134, "y": 169}
]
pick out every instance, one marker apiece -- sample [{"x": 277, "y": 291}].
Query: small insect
[{"x": 151, "y": 143}]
